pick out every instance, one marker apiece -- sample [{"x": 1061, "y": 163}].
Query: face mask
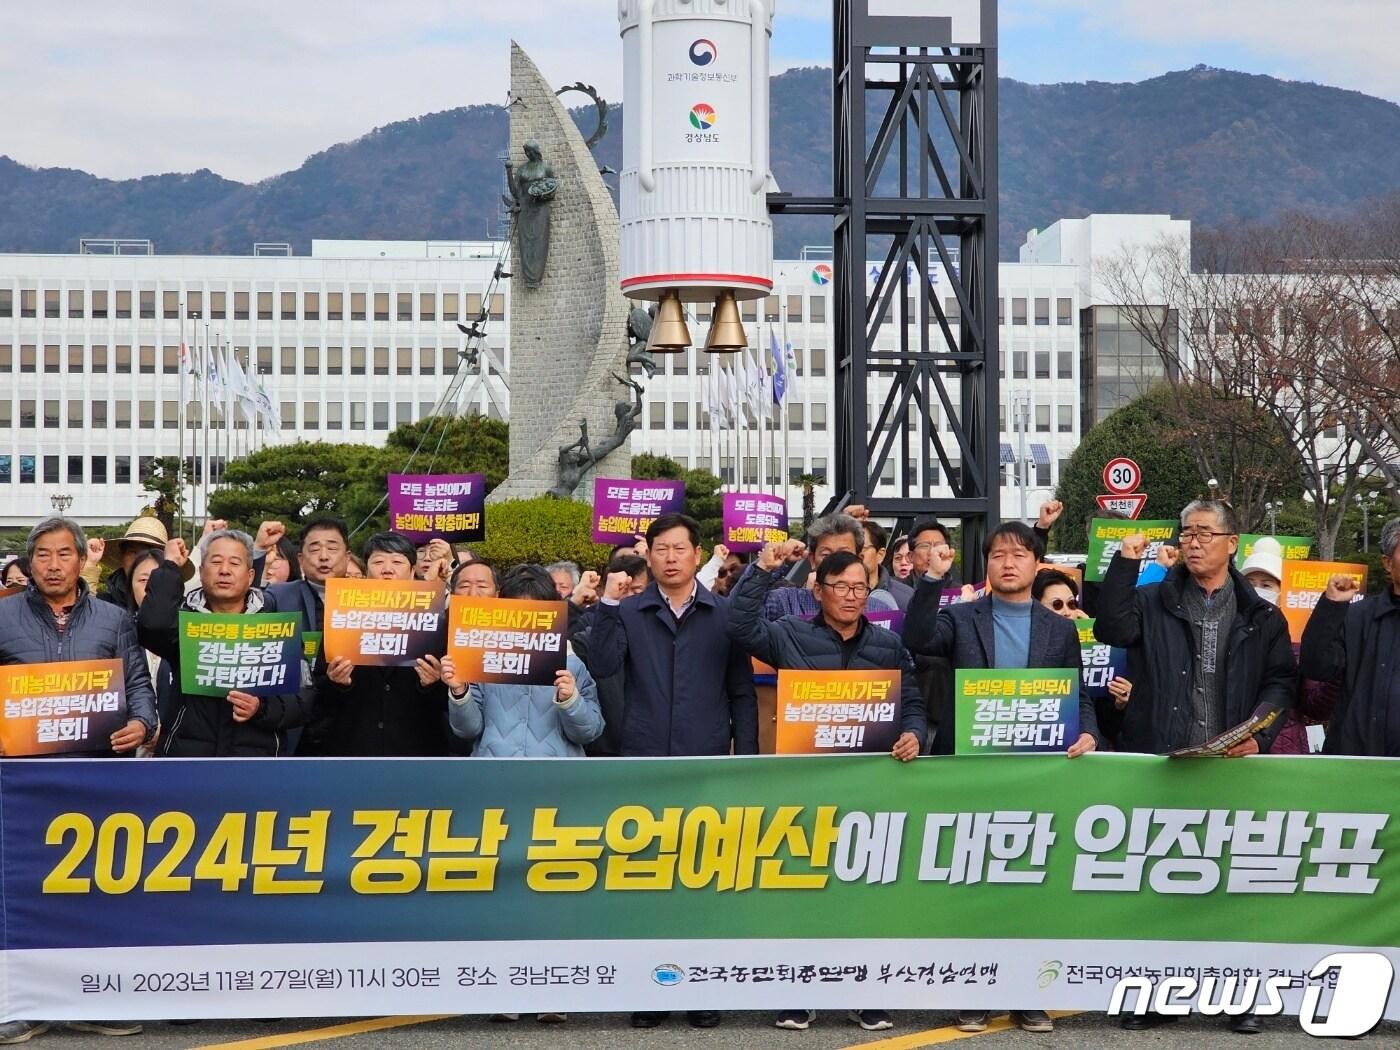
[{"x": 1268, "y": 594}]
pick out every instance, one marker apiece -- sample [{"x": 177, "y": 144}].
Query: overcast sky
[{"x": 249, "y": 89}]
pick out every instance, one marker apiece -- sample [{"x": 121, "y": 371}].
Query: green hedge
[{"x": 540, "y": 530}]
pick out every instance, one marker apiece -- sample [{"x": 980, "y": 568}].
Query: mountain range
[{"x": 1210, "y": 145}]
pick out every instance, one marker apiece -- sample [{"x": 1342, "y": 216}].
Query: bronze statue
[
  {"x": 638, "y": 333},
  {"x": 575, "y": 460},
  {"x": 532, "y": 187}
]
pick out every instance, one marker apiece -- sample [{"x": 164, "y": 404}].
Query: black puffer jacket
[
  {"x": 1358, "y": 645},
  {"x": 1151, "y": 624},
  {"x": 795, "y": 643},
  {"x": 96, "y": 631},
  {"x": 203, "y": 726}
]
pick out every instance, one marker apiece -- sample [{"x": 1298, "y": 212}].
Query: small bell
[
  {"x": 669, "y": 334},
  {"x": 726, "y": 330}
]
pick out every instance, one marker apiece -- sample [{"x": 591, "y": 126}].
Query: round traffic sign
[{"x": 1122, "y": 476}]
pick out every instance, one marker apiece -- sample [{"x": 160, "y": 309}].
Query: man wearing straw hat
[{"x": 145, "y": 533}]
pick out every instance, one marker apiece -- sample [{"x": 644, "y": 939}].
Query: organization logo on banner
[
  {"x": 821, "y": 274},
  {"x": 1360, "y": 991},
  {"x": 702, "y": 116},
  {"x": 668, "y": 975},
  {"x": 703, "y": 52}
]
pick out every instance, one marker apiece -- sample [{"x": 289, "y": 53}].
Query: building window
[
  {"x": 403, "y": 413},
  {"x": 170, "y": 360},
  {"x": 1042, "y": 418},
  {"x": 50, "y": 470},
  {"x": 334, "y": 415},
  {"x": 123, "y": 360},
  {"x": 310, "y": 415},
  {"x": 819, "y": 416},
  {"x": 817, "y": 312},
  {"x": 1064, "y": 311},
  {"x": 1042, "y": 475},
  {"x": 99, "y": 415},
  {"x": 427, "y": 306},
  {"x": 99, "y": 469},
  {"x": 450, "y": 361},
  {"x": 357, "y": 306},
  {"x": 427, "y": 360},
  {"x": 7, "y": 302},
  {"x": 147, "y": 415},
  {"x": 194, "y": 304},
  {"x": 148, "y": 361},
  {"x": 123, "y": 415},
  {"x": 288, "y": 305},
  {"x": 6, "y": 420},
  {"x": 1064, "y": 364},
  {"x": 240, "y": 306},
  {"x": 1018, "y": 311},
  {"x": 27, "y": 301},
  {"x": 51, "y": 415},
  {"x": 170, "y": 415},
  {"x": 381, "y": 415},
  {"x": 75, "y": 358},
  {"x": 289, "y": 361},
  {"x": 1042, "y": 364},
  {"x": 75, "y": 302},
  {"x": 288, "y": 412},
  {"x": 170, "y": 305},
  {"x": 51, "y": 303},
  {"x": 680, "y": 415},
  {"x": 148, "y": 304},
  {"x": 26, "y": 470},
  {"x": 51, "y": 359},
  {"x": 27, "y": 359},
  {"x": 311, "y": 306},
  {"x": 357, "y": 415},
  {"x": 381, "y": 306},
  {"x": 75, "y": 415},
  {"x": 311, "y": 360},
  {"x": 122, "y": 470},
  {"x": 1042, "y": 311},
  {"x": 335, "y": 306},
  {"x": 218, "y": 305},
  {"x": 403, "y": 361},
  {"x": 357, "y": 360},
  {"x": 334, "y": 361},
  {"x": 794, "y": 415},
  {"x": 1064, "y": 415},
  {"x": 818, "y": 361},
  {"x": 404, "y": 306},
  {"x": 449, "y": 306},
  {"x": 264, "y": 306},
  {"x": 1018, "y": 364},
  {"x": 145, "y": 468},
  {"x": 123, "y": 308},
  {"x": 264, "y": 360},
  {"x": 381, "y": 360}
]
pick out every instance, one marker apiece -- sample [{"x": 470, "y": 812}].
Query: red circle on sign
[{"x": 1122, "y": 476}]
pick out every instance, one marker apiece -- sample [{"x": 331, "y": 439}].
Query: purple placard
[
  {"x": 889, "y": 619},
  {"x": 752, "y": 519},
  {"x": 624, "y": 509},
  {"x": 450, "y": 506}
]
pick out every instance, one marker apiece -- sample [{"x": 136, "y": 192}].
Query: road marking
[
  {"x": 339, "y": 1031},
  {"x": 949, "y": 1034}
]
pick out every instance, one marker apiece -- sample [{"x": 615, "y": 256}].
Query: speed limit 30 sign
[{"x": 1122, "y": 476}]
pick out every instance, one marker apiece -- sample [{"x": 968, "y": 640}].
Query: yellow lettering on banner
[
  {"x": 464, "y": 874},
  {"x": 80, "y": 826},
  {"x": 162, "y": 878},
  {"x": 562, "y": 859},
  {"x": 222, "y": 860},
  {"x": 306, "y": 848},
  {"x": 406, "y": 832},
  {"x": 759, "y": 848},
  {"x": 625, "y": 872},
  {"x": 121, "y": 845},
  {"x": 709, "y": 848}
]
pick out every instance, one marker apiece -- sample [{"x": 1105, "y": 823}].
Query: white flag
[
  {"x": 241, "y": 389},
  {"x": 756, "y": 390}
]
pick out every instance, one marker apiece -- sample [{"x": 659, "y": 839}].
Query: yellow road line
[
  {"x": 339, "y": 1031},
  {"x": 937, "y": 1036}
]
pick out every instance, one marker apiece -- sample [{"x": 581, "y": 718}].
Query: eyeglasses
[
  {"x": 1059, "y": 604},
  {"x": 1202, "y": 536},
  {"x": 924, "y": 547},
  {"x": 841, "y": 589}
]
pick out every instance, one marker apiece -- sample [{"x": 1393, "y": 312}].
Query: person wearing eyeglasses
[
  {"x": 838, "y": 638},
  {"x": 1056, "y": 591}
]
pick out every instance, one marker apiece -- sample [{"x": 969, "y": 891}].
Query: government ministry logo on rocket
[
  {"x": 703, "y": 52},
  {"x": 702, "y": 116}
]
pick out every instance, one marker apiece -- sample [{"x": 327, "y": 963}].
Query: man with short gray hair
[
  {"x": 1203, "y": 649},
  {"x": 1357, "y": 643},
  {"x": 825, "y": 536},
  {"x": 566, "y": 576},
  {"x": 58, "y": 619},
  {"x": 239, "y": 724}
]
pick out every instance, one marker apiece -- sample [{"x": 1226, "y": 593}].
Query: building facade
[{"x": 362, "y": 336}]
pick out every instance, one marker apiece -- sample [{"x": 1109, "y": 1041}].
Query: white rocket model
[{"x": 693, "y": 190}]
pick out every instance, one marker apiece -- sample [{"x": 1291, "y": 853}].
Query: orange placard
[
  {"x": 1303, "y": 584},
  {"x": 507, "y": 639},
  {"x": 835, "y": 712},
  {"x": 385, "y": 623},
  {"x": 49, "y": 709}
]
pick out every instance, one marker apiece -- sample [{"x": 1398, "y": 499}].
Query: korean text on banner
[
  {"x": 445, "y": 506},
  {"x": 828, "y": 712},
  {"x": 624, "y": 510},
  {"x": 1023, "y": 712},
  {"x": 258, "y": 653},
  {"x": 507, "y": 640},
  {"x": 388, "y": 623},
  {"x": 54, "y": 708}
]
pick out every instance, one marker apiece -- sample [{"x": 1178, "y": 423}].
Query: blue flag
[{"x": 779, "y": 369}]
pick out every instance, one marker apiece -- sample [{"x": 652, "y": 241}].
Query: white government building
[{"x": 361, "y": 336}]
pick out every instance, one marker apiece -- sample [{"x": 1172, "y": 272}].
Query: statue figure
[
  {"x": 532, "y": 187},
  {"x": 639, "y": 323},
  {"x": 576, "y": 459}
]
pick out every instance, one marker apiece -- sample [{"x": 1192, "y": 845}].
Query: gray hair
[
  {"x": 226, "y": 534},
  {"x": 1390, "y": 537},
  {"x": 49, "y": 525},
  {"x": 835, "y": 525},
  {"x": 564, "y": 566},
  {"x": 1224, "y": 513}
]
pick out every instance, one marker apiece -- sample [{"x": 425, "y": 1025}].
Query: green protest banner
[
  {"x": 716, "y": 883},
  {"x": 1106, "y": 536},
  {"x": 1295, "y": 548},
  {"x": 257, "y": 653},
  {"x": 1026, "y": 711}
]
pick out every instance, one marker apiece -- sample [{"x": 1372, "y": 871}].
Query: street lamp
[
  {"x": 1273, "y": 509},
  {"x": 1365, "y": 505},
  {"x": 61, "y": 502}
]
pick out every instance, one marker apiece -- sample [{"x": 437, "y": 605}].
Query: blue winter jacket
[{"x": 524, "y": 721}]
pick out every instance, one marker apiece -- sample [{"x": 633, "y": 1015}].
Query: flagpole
[
  {"x": 180, "y": 422},
  {"x": 788, "y": 384},
  {"x": 205, "y": 421}
]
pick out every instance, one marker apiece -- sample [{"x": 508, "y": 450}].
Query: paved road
[{"x": 741, "y": 1031}]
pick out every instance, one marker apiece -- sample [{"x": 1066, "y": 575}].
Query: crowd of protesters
[{"x": 663, "y": 637}]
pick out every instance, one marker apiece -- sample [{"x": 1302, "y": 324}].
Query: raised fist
[
  {"x": 940, "y": 560},
  {"x": 1050, "y": 512},
  {"x": 586, "y": 593},
  {"x": 96, "y": 547},
  {"x": 617, "y": 585},
  {"x": 1342, "y": 588},
  {"x": 176, "y": 551},
  {"x": 269, "y": 532},
  {"x": 1133, "y": 546}
]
